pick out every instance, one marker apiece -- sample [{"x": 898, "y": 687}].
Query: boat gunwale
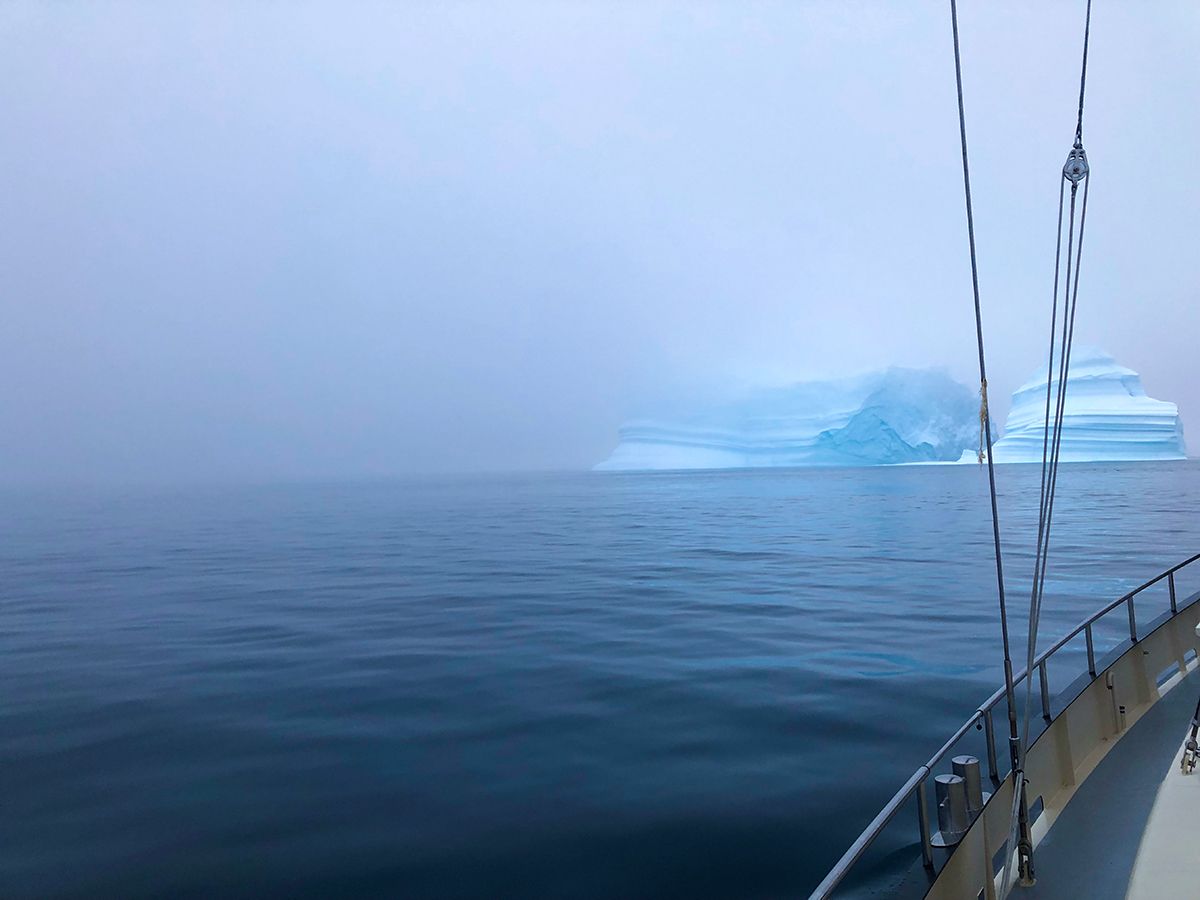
[{"x": 983, "y": 713}]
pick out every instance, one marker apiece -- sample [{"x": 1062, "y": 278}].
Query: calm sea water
[{"x": 577, "y": 685}]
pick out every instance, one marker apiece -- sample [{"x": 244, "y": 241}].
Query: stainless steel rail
[{"x": 983, "y": 715}]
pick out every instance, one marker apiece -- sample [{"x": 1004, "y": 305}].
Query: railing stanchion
[
  {"x": 989, "y": 734},
  {"x": 917, "y": 781},
  {"x": 1045, "y": 684},
  {"x": 923, "y": 820}
]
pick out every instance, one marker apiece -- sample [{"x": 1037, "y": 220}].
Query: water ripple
[{"x": 561, "y": 685}]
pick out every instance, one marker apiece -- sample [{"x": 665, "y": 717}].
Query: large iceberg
[
  {"x": 889, "y": 417},
  {"x": 1107, "y": 417}
]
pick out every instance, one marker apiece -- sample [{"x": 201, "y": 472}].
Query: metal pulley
[{"x": 1076, "y": 167}]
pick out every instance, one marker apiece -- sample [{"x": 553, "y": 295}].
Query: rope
[
  {"x": 1075, "y": 171},
  {"x": 1087, "y": 28},
  {"x": 1064, "y": 370},
  {"x": 1050, "y": 461}
]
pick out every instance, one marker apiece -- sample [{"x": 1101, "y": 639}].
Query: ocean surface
[{"x": 564, "y": 685}]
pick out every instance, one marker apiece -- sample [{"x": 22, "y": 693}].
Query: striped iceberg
[
  {"x": 1108, "y": 416},
  {"x": 884, "y": 418}
]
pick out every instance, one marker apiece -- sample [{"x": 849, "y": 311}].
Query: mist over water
[
  {"x": 586, "y": 685},
  {"x": 264, "y": 267},
  {"x": 254, "y": 242}
]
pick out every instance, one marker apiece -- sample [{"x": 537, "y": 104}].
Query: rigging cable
[
  {"x": 985, "y": 418},
  {"x": 1075, "y": 171}
]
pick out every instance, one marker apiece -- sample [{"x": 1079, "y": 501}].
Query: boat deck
[
  {"x": 1167, "y": 864},
  {"x": 1128, "y": 829}
]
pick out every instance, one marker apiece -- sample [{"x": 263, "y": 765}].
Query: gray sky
[{"x": 277, "y": 240}]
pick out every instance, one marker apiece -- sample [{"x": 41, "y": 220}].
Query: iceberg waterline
[
  {"x": 894, "y": 416},
  {"x": 904, "y": 416},
  {"x": 1107, "y": 417}
]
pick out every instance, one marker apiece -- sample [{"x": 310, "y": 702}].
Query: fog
[{"x": 274, "y": 241}]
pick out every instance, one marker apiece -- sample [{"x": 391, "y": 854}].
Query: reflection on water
[{"x": 583, "y": 685}]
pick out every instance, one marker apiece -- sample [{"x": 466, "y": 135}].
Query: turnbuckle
[{"x": 1187, "y": 765}]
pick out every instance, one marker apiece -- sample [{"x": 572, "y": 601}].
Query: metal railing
[{"x": 983, "y": 717}]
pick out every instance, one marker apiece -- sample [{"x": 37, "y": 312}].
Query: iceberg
[
  {"x": 1108, "y": 416},
  {"x": 884, "y": 418}
]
